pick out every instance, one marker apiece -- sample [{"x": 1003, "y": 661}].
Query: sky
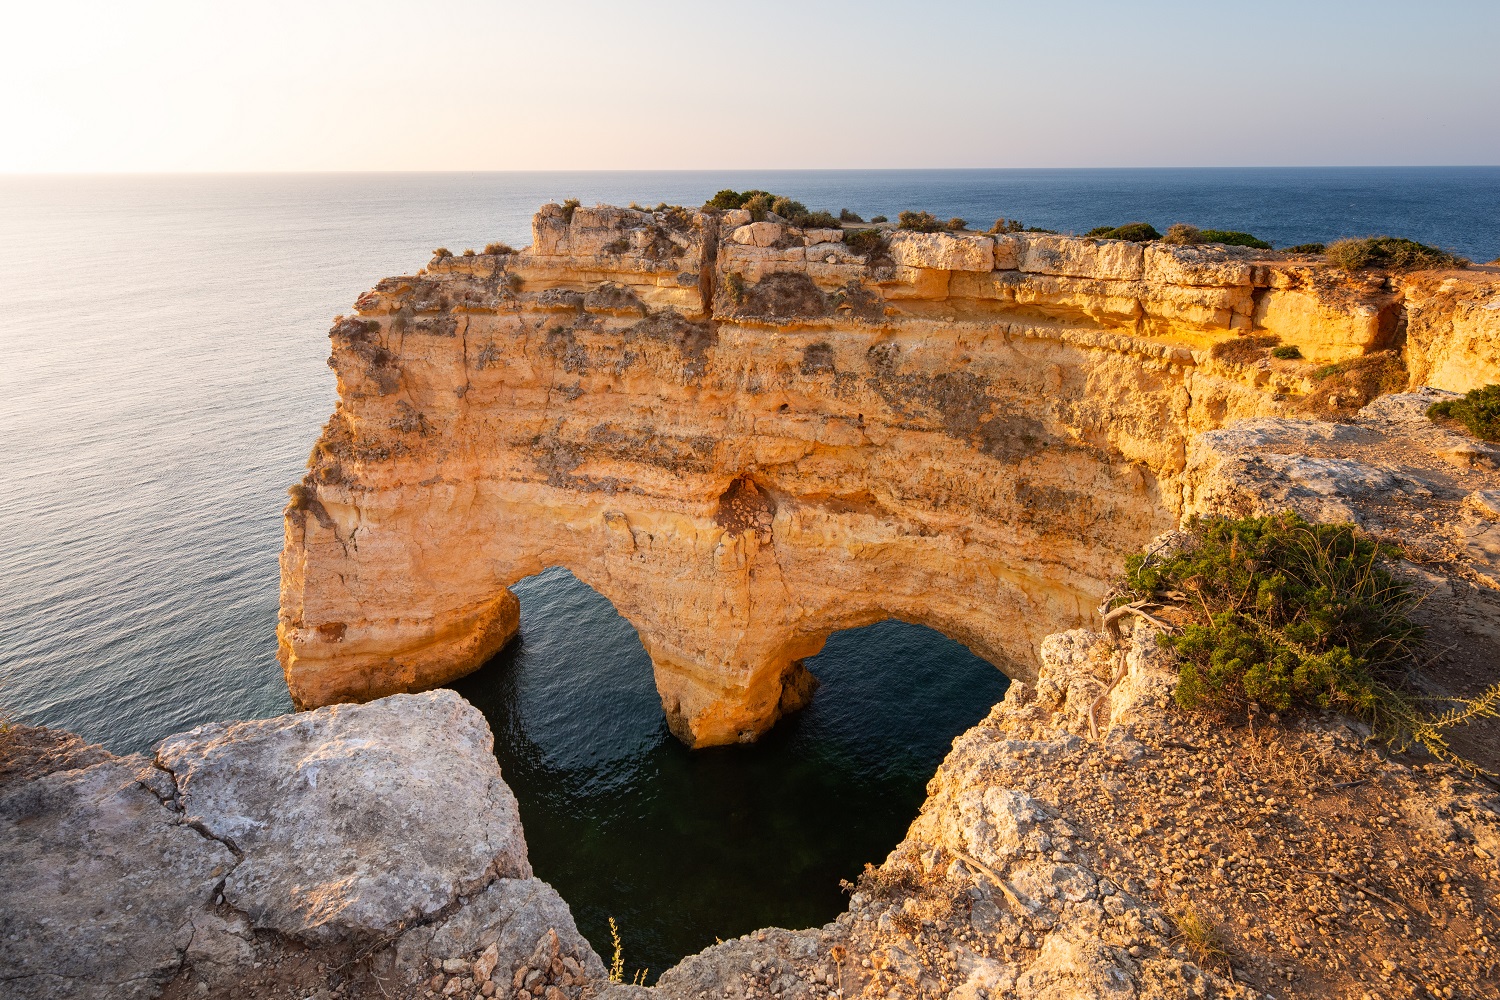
[{"x": 326, "y": 85}]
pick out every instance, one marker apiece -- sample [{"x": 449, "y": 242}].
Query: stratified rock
[
  {"x": 969, "y": 432},
  {"x": 355, "y": 821}
]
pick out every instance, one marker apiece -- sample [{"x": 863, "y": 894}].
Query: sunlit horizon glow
[{"x": 169, "y": 86}]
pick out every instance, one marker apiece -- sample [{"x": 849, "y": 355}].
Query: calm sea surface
[{"x": 163, "y": 378}]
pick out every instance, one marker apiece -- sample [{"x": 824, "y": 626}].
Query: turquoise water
[{"x": 163, "y": 346}]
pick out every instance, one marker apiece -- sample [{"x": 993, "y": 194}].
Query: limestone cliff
[{"x": 748, "y": 436}]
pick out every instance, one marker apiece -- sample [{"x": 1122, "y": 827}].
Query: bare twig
[{"x": 1010, "y": 895}]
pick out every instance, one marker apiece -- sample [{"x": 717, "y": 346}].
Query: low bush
[
  {"x": 1477, "y": 409},
  {"x": 442, "y": 252},
  {"x": 1007, "y": 226},
  {"x": 1286, "y": 352},
  {"x": 1231, "y": 238},
  {"x": 957, "y": 225},
  {"x": 1291, "y": 614},
  {"x": 469, "y": 252},
  {"x": 1390, "y": 253},
  {"x": 1182, "y": 234},
  {"x": 865, "y": 242},
  {"x": 498, "y": 249},
  {"x": 760, "y": 203},
  {"x": 1243, "y": 350},
  {"x": 920, "y": 222},
  {"x": 1135, "y": 232},
  {"x": 727, "y": 199},
  {"x": 879, "y": 218},
  {"x": 1306, "y": 248},
  {"x": 1349, "y": 385},
  {"x": 847, "y": 216},
  {"x": 569, "y": 207}
]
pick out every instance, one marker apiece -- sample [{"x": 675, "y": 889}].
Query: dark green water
[{"x": 682, "y": 847}]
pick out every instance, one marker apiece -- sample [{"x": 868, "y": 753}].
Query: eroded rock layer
[{"x": 747, "y": 436}]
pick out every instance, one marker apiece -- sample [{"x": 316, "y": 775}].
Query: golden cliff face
[{"x": 747, "y": 437}]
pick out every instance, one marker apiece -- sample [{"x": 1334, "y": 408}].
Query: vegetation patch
[
  {"x": 1306, "y": 248},
  {"x": 921, "y": 222},
  {"x": 1287, "y": 352},
  {"x": 760, "y": 203},
  {"x": 1182, "y": 234},
  {"x": 1291, "y": 614},
  {"x": 442, "y": 252},
  {"x": 1390, "y": 253},
  {"x": 847, "y": 216},
  {"x": 868, "y": 243},
  {"x": 497, "y": 249},
  {"x": 1477, "y": 409},
  {"x": 569, "y": 207},
  {"x": 1135, "y": 232},
  {"x": 1244, "y": 350},
  {"x": 1232, "y": 238},
  {"x": 1349, "y": 385}
]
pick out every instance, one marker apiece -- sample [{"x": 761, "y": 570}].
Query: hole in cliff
[{"x": 684, "y": 846}]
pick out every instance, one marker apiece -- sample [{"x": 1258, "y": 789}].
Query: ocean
[{"x": 164, "y": 378}]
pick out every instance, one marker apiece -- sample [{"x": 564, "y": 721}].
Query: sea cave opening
[{"x": 682, "y": 847}]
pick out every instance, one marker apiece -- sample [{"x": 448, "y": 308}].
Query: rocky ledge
[
  {"x": 349, "y": 847},
  {"x": 1086, "y": 840}
]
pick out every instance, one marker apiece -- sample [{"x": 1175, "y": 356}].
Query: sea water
[{"x": 163, "y": 377}]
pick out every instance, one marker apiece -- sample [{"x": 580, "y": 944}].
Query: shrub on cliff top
[
  {"x": 1135, "y": 232},
  {"x": 497, "y": 249},
  {"x": 1391, "y": 253},
  {"x": 1477, "y": 409},
  {"x": 1003, "y": 225},
  {"x": 1182, "y": 234},
  {"x": 920, "y": 222},
  {"x": 1306, "y": 248},
  {"x": 847, "y": 216},
  {"x": 1291, "y": 614},
  {"x": 879, "y": 218},
  {"x": 569, "y": 207},
  {"x": 1232, "y": 238},
  {"x": 442, "y": 252}
]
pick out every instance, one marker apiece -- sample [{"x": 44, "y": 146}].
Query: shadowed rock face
[{"x": 747, "y": 440}]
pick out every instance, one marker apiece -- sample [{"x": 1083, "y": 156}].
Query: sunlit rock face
[{"x": 748, "y": 436}]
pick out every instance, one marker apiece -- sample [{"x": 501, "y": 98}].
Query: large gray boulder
[{"x": 353, "y": 821}]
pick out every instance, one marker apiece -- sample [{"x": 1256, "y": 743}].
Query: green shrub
[
  {"x": 1007, "y": 226},
  {"x": 957, "y": 225},
  {"x": 497, "y": 249},
  {"x": 920, "y": 222},
  {"x": 1292, "y": 614},
  {"x": 847, "y": 216},
  {"x": 1231, "y": 238},
  {"x": 1349, "y": 385},
  {"x": 1307, "y": 248},
  {"x": 865, "y": 242},
  {"x": 1135, "y": 232},
  {"x": 442, "y": 252},
  {"x": 1477, "y": 409},
  {"x": 1182, "y": 234},
  {"x": 879, "y": 218},
  {"x": 1391, "y": 253},
  {"x": 727, "y": 199},
  {"x": 1286, "y": 352},
  {"x": 569, "y": 207}
]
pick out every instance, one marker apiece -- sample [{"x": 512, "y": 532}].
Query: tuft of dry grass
[
  {"x": 1200, "y": 937},
  {"x": 1246, "y": 350}
]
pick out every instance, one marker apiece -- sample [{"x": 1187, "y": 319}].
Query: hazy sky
[{"x": 152, "y": 85}]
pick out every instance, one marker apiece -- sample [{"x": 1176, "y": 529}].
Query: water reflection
[{"x": 680, "y": 846}]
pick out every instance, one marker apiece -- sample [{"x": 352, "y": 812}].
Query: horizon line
[{"x": 711, "y": 170}]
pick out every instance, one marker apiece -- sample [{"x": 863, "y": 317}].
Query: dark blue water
[
  {"x": 683, "y": 846},
  {"x": 162, "y": 378}
]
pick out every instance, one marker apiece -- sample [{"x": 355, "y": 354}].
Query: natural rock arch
[{"x": 970, "y": 433}]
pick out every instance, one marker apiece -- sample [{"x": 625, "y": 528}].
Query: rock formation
[
  {"x": 748, "y": 436},
  {"x": 351, "y": 830}
]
